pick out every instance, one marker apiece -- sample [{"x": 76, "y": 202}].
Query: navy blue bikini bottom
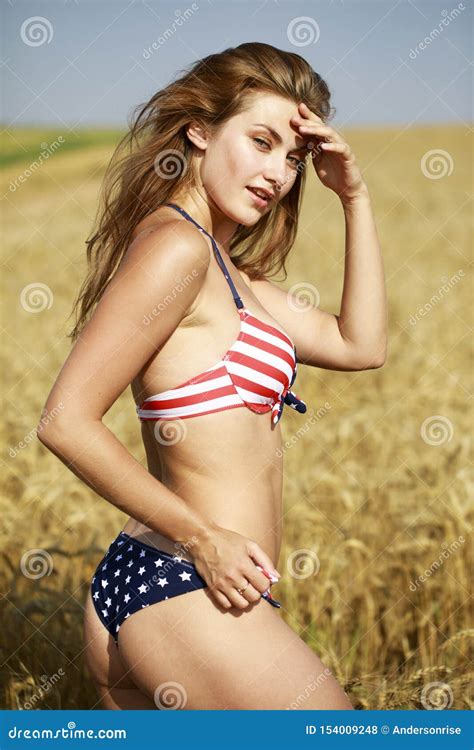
[{"x": 132, "y": 575}]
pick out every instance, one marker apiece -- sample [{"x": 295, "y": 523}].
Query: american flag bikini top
[{"x": 257, "y": 371}]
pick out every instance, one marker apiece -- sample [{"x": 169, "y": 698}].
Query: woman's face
[{"x": 246, "y": 155}]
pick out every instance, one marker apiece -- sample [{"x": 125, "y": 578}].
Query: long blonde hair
[{"x": 150, "y": 165}]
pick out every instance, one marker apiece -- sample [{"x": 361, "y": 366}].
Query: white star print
[{"x": 135, "y": 555}]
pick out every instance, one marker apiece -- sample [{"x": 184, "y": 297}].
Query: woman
[{"x": 197, "y": 213}]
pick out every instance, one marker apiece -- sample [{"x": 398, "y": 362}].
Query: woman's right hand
[{"x": 227, "y": 561}]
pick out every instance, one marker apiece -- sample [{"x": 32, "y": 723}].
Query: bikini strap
[{"x": 219, "y": 258}]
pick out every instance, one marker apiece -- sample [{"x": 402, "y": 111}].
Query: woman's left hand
[{"x": 332, "y": 157}]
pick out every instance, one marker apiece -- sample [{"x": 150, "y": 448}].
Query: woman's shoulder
[
  {"x": 162, "y": 232},
  {"x": 154, "y": 221}
]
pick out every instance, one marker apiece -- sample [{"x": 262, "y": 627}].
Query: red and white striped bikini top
[{"x": 257, "y": 371}]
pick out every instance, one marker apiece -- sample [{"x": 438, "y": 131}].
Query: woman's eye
[
  {"x": 260, "y": 140},
  {"x": 295, "y": 159}
]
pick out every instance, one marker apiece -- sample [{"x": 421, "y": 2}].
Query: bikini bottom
[{"x": 132, "y": 575}]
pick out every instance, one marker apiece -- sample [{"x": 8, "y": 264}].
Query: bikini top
[{"x": 257, "y": 371}]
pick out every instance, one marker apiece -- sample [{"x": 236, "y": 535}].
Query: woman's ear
[{"x": 197, "y": 135}]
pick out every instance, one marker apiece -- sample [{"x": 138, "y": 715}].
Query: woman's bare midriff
[{"x": 226, "y": 465}]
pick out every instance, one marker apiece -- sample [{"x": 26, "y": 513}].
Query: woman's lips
[{"x": 260, "y": 202}]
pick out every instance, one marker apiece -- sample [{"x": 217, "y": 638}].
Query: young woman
[{"x": 199, "y": 211}]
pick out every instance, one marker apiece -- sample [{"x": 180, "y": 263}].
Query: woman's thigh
[{"x": 187, "y": 652}]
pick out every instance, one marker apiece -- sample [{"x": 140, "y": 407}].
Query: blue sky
[{"x": 85, "y": 63}]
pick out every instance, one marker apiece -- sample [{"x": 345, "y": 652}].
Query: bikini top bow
[{"x": 288, "y": 397}]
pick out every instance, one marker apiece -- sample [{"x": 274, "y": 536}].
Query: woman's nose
[
  {"x": 276, "y": 174},
  {"x": 275, "y": 178}
]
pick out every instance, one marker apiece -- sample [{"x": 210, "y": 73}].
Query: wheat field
[{"x": 377, "y": 510}]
